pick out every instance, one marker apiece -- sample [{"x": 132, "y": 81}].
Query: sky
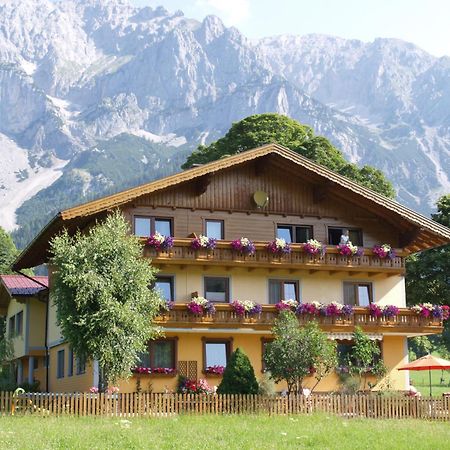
[{"x": 426, "y": 23}]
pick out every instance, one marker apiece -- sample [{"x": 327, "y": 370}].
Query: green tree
[
  {"x": 239, "y": 376},
  {"x": 7, "y": 381},
  {"x": 8, "y": 252},
  {"x": 298, "y": 352},
  {"x": 419, "y": 346},
  {"x": 101, "y": 290},
  {"x": 261, "y": 129},
  {"x": 428, "y": 276},
  {"x": 364, "y": 358},
  {"x": 428, "y": 272}
]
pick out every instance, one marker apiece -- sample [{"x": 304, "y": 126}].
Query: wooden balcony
[
  {"x": 182, "y": 254},
  {"x": 406, "y": 322}
]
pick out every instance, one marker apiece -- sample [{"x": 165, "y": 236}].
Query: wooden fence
[{"x": 167, "y": 405}]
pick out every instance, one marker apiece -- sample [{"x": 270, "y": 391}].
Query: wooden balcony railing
[
  {"x": 406, "y": 321},
  {"x": 182, "y": 254}
]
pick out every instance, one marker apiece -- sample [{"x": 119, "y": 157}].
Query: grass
[
  {"x": 221, "y": 432},
  {"x": 419, "y": 379}
]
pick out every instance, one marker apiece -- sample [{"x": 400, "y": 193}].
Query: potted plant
[
  {"x": 159, "y": 242},
  {"x": 203, "y": 243},
  {"x": 243, "y": 246},
  {"x": 314, "y": 248},
  {"x": 246, "y": 309},
  {"x": 279, "y": 247}
]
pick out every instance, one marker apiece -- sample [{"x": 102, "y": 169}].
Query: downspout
[{"x": 47, "y": 365}]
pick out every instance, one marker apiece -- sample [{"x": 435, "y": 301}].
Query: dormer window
[{"x": 145, "y": 226}]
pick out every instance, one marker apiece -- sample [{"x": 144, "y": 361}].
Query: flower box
[
  {"x": 243, "y": 247},
  {"x": 214, "y": 370},
  {"x": 155, "y": 372}
]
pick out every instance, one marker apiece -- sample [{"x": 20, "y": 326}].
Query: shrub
[
  {"x": 266, "y": 385},
  {"x": 239, "y": 376}
]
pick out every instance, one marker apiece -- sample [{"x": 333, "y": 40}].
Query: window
[
  {"x": 358, "y": 294},
  {"x": 161, "y": 354},
  {"x": 214, "y": 229},
  {"x": 146, "y": 226},
  {"x": 60, "y": 364},
  {"x": 165, "y": 286},
  {"x": 70, "y": 363},
  {"x": 47, "y": 361},
  {"x": 81, "y": 366},
  {"x": 216, "y": 352},
  {"x": 264, "y": 342},
  {"x": 19, "y": 323},
  {"x": 283, "y": 290},
  {"x": 217, "y": 289},
  {"x": 163, "y": 226},
  {"x": 12, "y": 326},
  {"x": 335, "y": 233},
  {"x": 295, "y": 233},
  {"x": 344, "y": 351},
  {"x": 142, "y": 226}
]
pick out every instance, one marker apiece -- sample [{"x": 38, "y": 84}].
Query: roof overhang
[{"x": 418, "y": 232}]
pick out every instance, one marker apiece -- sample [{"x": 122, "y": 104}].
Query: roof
[
  {"x": 80, "y": 215},
  {"x": 21, "y": 285}
]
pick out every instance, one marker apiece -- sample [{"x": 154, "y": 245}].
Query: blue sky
[{"x": 423, "y": 22}]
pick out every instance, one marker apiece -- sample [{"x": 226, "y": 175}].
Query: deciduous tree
[
  {"x": 101, "y": 290},
  {"x": 428, "y": 276},
  {"x": 8, "y": 252},
  {"x": 298, "y": 352},
  {"x": 260, "y": 129}
]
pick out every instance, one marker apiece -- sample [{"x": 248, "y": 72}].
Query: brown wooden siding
[{"x": 228, "y": 197}]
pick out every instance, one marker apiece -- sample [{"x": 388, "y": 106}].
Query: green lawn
[
  {"x": 227, "y": 432},
  {"x": 421, "y": 382}
]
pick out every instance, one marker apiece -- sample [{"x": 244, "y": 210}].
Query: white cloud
[{"x": 233, "y": 12}]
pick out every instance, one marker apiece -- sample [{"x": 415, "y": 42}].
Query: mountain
[{"x": 98, "y": 95}]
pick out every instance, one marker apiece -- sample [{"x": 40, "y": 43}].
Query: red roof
[{"x": 20, "y": 285}]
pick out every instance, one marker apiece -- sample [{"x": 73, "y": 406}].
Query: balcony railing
[
  {"x": 182, "y": 253},
  {"x": 406, "y": 321}
]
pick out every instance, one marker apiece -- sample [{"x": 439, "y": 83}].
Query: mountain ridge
[{"x": 78, "y": 74}]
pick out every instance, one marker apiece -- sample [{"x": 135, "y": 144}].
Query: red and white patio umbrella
[{"x": 428, "y": 362}]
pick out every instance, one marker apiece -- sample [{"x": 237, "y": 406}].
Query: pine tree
[{"x": 239, "y": 376}]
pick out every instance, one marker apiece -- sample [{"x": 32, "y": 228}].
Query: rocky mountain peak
[{"x": 77, "y": 74}]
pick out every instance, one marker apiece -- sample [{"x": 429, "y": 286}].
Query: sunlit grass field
[
  {"x": 221, "y": 432},
  {"x": 421, "y": 382}
]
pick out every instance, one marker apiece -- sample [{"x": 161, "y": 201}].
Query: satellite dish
[{"x": 261, "y": 199}]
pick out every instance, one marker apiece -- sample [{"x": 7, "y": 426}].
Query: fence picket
[{"x": 372, "y": 405}]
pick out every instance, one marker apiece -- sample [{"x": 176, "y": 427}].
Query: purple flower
[
  {"x": 160, "y": 242},
  {"x": 384, "y": 251},
  {"x": 194, "y": 308},
  {"x": 243, "y": 245},
  {"x": 278, "y": 247},
  {"x": 311, "y": 309},
  {"x": 347, "y": 310},
  {"x": 438, "y": 312},
  {"x": 375, "y": 310},
  {"x": 203, "y": 242},
  {"x": 314, "y": 247},
  {"x": 257, "y": 309},
  {"x": 390, "y": 311}
]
